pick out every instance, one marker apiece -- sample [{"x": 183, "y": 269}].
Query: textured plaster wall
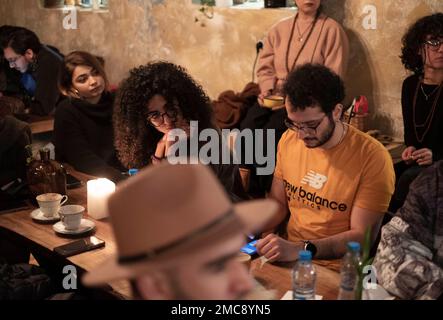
[{"x": 221, "y": 53}]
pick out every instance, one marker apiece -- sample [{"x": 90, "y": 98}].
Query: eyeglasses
[
  {"x": 434, "y": 44},
  {"x": 311, "y": 130},
  {"x": 157, "y": 118},
  {"x": 13, "y": 61}
]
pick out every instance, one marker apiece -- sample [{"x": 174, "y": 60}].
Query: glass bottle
[{"x": 46, "y": 175}]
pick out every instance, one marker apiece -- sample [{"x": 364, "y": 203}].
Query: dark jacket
[
  {"x": 24, "y": 282},
  {"x": 227, "y": 173},
  {"x": 45, "y": 72},
  {"x": 9, "y": 79},
  {"x": 84, "y": 137},
  {"x": 15, "y": 135}
]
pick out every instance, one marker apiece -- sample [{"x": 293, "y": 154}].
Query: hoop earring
[{"x": 75, "y": 93}]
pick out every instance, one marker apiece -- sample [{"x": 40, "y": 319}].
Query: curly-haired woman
[
  {"x": 83, "y": 123},
  {"x": 422, "y": 100},
  {"x": 155, "y": 99}
]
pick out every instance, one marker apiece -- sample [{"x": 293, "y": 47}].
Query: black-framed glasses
[
  {"x": 311, "y": 130},
  {"x": 157, "y": 119},
  {"x": 13, "y": 61},
  {"x": 434, "y": 44}
]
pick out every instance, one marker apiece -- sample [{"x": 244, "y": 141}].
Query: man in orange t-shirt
[{"x": 334, "y": 180}]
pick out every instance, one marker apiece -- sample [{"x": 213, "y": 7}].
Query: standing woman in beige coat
[{"x": 307, "y": 37}]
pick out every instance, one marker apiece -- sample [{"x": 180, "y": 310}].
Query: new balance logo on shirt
[
  {"x": 315, "y": 180},
  {"x": 313, "y": 200}
]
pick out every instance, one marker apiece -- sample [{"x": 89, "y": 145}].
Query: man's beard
[{"x": 325, "y": 137}]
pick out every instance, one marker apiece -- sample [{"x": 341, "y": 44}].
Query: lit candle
[{"x": 98, "y": 193}]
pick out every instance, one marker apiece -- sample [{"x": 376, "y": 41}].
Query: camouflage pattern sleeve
[{"x": 409, "y": 258}]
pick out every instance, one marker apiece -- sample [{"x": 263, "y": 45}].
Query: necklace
[
  {"x": 288, "y": 49},
  {"x": 427, "y": 96},
  {"x": 428, "y": 122},
  {"x": 343, "y": 133},
  {"x": 300, "y": 35}
]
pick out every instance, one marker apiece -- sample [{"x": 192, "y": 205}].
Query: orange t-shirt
[{"x": 322, "y": 186}]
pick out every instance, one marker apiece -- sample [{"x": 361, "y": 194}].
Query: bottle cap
[
  {"x": 305, "y": 255},
  {"x": 133, "y": 172},
  {"x": 354, "y": 246}
]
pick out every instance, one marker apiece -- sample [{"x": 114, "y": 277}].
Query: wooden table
[
  {"x": 41, "y": 124},
  {"x": 42, "y": 236},
  {"x": 20, "y": 226},
  {"x": 278, "y": 277}
]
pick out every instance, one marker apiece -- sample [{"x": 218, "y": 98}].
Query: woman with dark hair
[
  {"x": 83, "y": 122},
  {"x": 422, "y": 101},
  {"x": 307, "y": 37},
  {"x": 154, "y": 100}
]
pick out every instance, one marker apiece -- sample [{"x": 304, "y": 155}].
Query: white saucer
[
  {"x": 38, "y": 216},
  {"x": 85, "y": 226}
]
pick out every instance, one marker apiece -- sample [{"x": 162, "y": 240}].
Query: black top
[
  {"x": 15, "y": 135},
  {"x": 9, "y": 79},
  {"x": 84, "y": 137},
  {"x": 434, "y": 138},
  {"x": 45, "y": 72},
  {"x": 228, "y": 174}
]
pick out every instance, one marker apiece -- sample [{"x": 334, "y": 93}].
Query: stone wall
[{"x": 220, "y": 52}]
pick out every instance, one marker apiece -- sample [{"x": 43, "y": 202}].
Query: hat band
[{"x": 156, "y": 252}]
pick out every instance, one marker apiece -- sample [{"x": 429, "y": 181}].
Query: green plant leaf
[
  {"x": 365, "y": 260},
  {"x": 366, "y": 245},
  {"x": 208, "y": 2}
]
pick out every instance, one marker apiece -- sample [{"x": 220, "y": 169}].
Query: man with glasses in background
[
  {"x": 332, "y": 180},
  {"x": 38, "y": 65}
]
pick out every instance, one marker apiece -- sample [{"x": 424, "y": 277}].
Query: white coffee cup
[
  {"x": 245, "y": 259},
  {"x": 50, "y": 203},
  {"x": 71, "y": 216}
]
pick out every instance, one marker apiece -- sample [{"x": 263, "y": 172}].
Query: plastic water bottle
[
  {"x": 132, "y": 172},
  {"x": 304, "y": 277},
  {"x": 349, "y": 272}
]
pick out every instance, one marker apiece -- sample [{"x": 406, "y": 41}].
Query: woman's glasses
[
  {"x": 13, "y": 61},
  {"x": 157, "y": 119},
  {"x": 434, "y": 44}
]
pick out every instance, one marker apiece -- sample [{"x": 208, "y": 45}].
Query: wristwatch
[{"x": 309, "y": 246}]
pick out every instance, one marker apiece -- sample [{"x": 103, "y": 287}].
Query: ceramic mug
[
  {"x": 50, "y": 203},
  {"x": 245, "y": 259},
  {"x": 71, "y": 216}
]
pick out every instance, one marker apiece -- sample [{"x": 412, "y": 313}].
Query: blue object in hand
[{"x": 250, "y": 248}]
